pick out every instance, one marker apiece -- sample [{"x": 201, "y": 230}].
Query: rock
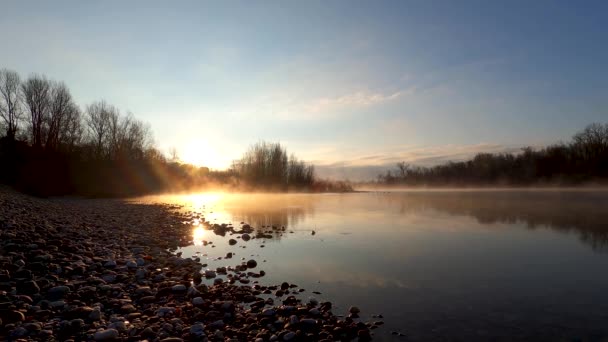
[
  {"x": 13, "y": 316},
  {"x": 232, "y": 242},
  {"x": 106, "y": 335},
  {"x": 180, "y": 288},
  {"x": 198, "y": 301},
  {"x": 164, "y": 311},
  {"x": 140, "y": 274},
  {"x": 289, "y": 336},
  {"x": 81, "y": 312},
  {"x": 308, "y": 322},
  {"x": 354, "y": 310},
  {"x": 33, "y": 326},
  {"x": 197, "y": 330},
  {"x": 58, "y": 292},
  {"x": 19, "y": 332},
  {"x": 29, "y": 287},
  {"x": 252, "y": 263},
  {"x": 128, "y": 308},
  {"x": 246, "y": 237},
  {"x": 364, "y": 335},
  {"x": 77, "y": 323},
  {"x": 110, "y": 264},
  {"x": 56, "y": 305},
  {"x": 209, "y": 274},
  {"x": 217, "y": 324},
  {"x": 95, "y": 315},
  {"x": 132, "y": 264},
  {"x": 269, "y": 312},
  {"x": 120, "y": 326}
]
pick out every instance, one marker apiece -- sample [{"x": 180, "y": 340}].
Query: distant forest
[
  {"x": 49, "y": 145},
  {"x": 584, "y": 160}
]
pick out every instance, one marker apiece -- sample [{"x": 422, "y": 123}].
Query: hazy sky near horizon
[{"x": 340, "y": 83}]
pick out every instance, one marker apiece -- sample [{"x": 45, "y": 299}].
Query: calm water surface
[{"x": 443, "y": 265}]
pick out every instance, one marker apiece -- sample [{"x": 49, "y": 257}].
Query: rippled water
[{"x": 439, "y": 265}]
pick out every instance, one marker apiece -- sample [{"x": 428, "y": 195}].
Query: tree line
[
  {"x": 49, "y": 145},
  {"x": 582, "y": 160},
  {"x": 268, "y": 165},
  {"x": 43, "y": 113}
]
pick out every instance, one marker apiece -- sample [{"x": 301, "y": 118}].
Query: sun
[{"x": 198, "y": 152}]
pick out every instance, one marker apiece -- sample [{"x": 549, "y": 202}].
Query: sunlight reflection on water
[{"x": 418, "y": 257}]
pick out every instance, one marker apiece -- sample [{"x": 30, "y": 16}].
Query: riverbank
[{"x": 103, "y": 270}]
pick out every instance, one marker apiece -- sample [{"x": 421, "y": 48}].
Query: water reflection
[
  {"x": 582, "y": 212},
  {"x": 198, "y": 235},
  {"x": 437, "y": 264}
]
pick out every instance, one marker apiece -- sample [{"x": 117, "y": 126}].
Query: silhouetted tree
[
  {"x": 61, "y": 109},
  {"x": 36, "y": 94},
  {"x": 98, "y": 122},
  {"x": 584, "y": 159},
  {"x": 10, "y": 101},
  {"x": 267, "y": 164}
]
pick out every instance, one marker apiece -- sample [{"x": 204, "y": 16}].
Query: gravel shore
[{"x": 102, "y": 270}]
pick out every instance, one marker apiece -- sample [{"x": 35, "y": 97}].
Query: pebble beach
[{"x": 105, "y": 270}]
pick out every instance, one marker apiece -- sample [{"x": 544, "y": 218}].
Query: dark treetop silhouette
[
  {"x": 583, "y": 160},
  {"x": 50, "y": 146}
]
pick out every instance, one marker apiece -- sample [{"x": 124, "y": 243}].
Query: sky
[{"x": 352, "y": 86}]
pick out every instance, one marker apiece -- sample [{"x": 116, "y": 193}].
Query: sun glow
[
  {"x": 198, "y": 235},
  {"x": 198, "y": 152}
]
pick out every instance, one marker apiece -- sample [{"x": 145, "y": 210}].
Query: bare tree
[
  {"x": 36, "y": 93},
  {"x": 137, "y": 138},
  {"x": 60, "y": 104},
  {"x": 98, "y": 123},
  {"x": 592, "y": 141},
  {"x": 72, "y": 131},
  {"x": 173, "y": 154},
  {"x": 403, "y": 169},
  {"x": 115, "y": 132},
  {"x": 10, "y": 101}
]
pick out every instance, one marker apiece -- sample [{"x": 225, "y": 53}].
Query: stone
[
  {"x": 106, "y": 335},
  {"x": 198, "y": 301},
  {"x": 128, "y": 308},
  {"x": 180, "y": 288},
  {"x": 95, "y": 315},
  {"x": 29, "y": 287},
  {"x": 164, "y": 311},
  {"x": 110, "y": 264},
  {"x": 197, "y": 330},
  {"x": 58, "y": 292}
]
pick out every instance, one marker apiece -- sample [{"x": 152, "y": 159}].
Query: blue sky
[{"x": 346, "y": 84}]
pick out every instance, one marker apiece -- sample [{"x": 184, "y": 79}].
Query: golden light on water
[
  {"x": 203, "y": 200},
  {"x": 198, "y": 235}
]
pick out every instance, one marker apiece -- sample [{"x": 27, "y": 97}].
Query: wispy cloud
[
  {"x": 356, "y": 99},
  {"x": 363, "y": 166}
]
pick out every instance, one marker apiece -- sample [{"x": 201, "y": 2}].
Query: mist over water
[{"x": 464, "y": 264}]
